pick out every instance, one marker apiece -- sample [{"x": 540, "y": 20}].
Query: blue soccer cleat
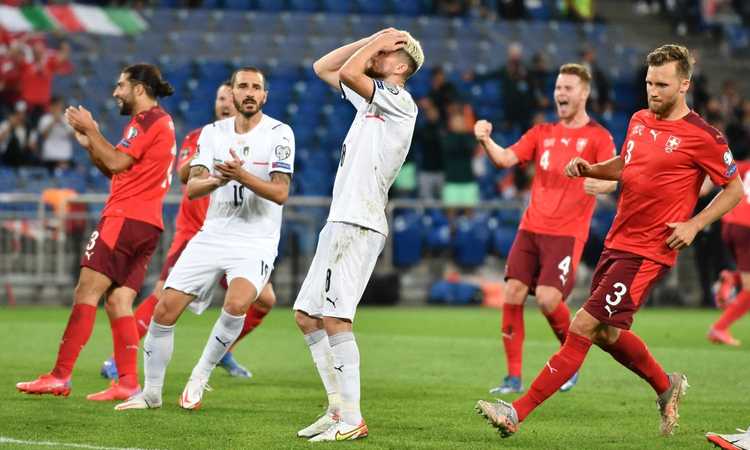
[
  {"x": 568, "y": 385},
  {"x": 233, "y": 367},
  {"x": 109, "y": 369},
  {"x": 510, "y": 385}
]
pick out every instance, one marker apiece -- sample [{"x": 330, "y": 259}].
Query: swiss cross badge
[{"x": 672, "y": 143}]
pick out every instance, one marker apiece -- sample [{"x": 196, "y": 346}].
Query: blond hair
[
  {"x": 673, "y": 52},
  {"x": 413, "y": 48},
  {"x": 578, "y": 70}
]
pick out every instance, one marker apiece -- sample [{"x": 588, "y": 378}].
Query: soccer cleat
[
  {"x": 115, "y": 391},
  {"x": 722, "y": 337},
  {"x": 109, "y": 369},
  {"x": 511, "y": 385},
  {"x": 342, "y": 431},
  {"x": 139, "y": 401},
  {"x": 233, "y": 367},
  {"x": 669, "y": 401},
  {"x": 46, "y": 384},
  {"x": 323, "y": 423},
  {"x": 193, "y": 393},
  {"x": 568, "y": 385},
  {"x": 725, "y": 289},
  {"x": 500, "y": 415},
  {"x": 731, "y": 441}
]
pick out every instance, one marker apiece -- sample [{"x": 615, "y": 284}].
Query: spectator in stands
[
  {"x": 11, "y": 64},
  {"x": 730, "y": 99},
  {"x": 442, "y": 92},
  {"x": 539, "y": 77},
  {"x": 37, "y": 76},
  {"x": 738, "y": 133},
  {"x": 699, "y": 94},
  {"x": 600, "y": 98},
  {"x": 427, "y": 143},
  {"x": 55, "y": 134},
  {"x": 451, "y": 8},
  {"x": 15, "y": 142},
  {"x": 458, "y": 144}
]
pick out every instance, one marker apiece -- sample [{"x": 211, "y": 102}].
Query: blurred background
[{"x": 488, "y": 59}]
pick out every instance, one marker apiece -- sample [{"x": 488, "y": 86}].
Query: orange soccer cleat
[
  {"x": 46, "y": 384},
  {"x": 718, "y": 336},
  {"x": 115, "y": 391}
]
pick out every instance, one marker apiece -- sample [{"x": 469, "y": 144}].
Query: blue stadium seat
[
  {"x": 437, "y": 229},
  {"x": 407, "y": 239},
  {"x": 470, "y": 241},
  {"x": 337, "y": 6},
  {"x": 305, "y": 5},
  {"x": 502, "y": 239},
  {"x": 239, "y": 4}
]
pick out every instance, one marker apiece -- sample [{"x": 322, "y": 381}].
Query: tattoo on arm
[
  {"x": 198, "y": 172},
  {"x": 281, "y": 177}
]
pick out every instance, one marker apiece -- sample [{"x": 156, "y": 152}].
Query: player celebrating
[
  {"x": 371, "y": 74},
  {"x": 188, "y": 222},
  {"x": 736, "y": 235},
  {"x": 115, "y": 260},
  {"x": 668, "y": 152},
  {"x": 239, "y": 237},
  {"x": 545, "y": 254}
]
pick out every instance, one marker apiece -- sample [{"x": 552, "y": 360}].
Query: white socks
[
  {"x": 226, "y": 330},
  {"x": 346, "y": 368},
  {"x": 157, "y": 351},
  {"x": 322, "y": 355}
]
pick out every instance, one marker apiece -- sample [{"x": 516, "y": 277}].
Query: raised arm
[
  {"x": 500, "y": 156},
  {"x": 327, "y": 67},
  {"x": 607, "y": 170},
  {"x": 101, "y": 151},
  {"x": 352, "y": 73}
]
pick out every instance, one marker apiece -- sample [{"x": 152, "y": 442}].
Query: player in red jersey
[
  {"x": 188, "y": 222},
  {"x": 545, "y": 254},
  {"x": 116, "y": 257},
  {"x": 668, "y": 152},
  {"x": 735, "y": 233}
]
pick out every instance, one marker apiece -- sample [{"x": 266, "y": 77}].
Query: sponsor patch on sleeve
[
  {"x": 124, "y": 143},
  {"x": 281, "y": 165}
]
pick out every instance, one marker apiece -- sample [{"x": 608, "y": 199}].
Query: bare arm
[
  {"x": 500, "y": 156},
  {"x": 184, "y": 172},
  {"x": 352, "y": 73},
  {"x": 607, "y": 170},
  {"x": 276, "y": 190},
  {"x": 684, "y": 232},
  {"x": 327, "y": 67},
  {"x": 593, "y": 186},
  {"x": 102, "y": 152},
  {"x": 201, "y": 183}
]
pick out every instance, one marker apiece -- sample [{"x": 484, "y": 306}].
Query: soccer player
[
  {"x": 668, "y": 151},
  {"x": 546, "y": 252},
  {"x": 189, "y": 219},
  {"x": 370, "y": 73},
  {"x": 239, "y": 237},
  {"x": 731, "y": 441},
  {"x": 115, "y": 259},
  {"x": 735, "y": 233}
]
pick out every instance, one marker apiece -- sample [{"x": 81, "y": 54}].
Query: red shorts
[
  {"x": 621, "y": 282},
  {"x": 737, "y": 238},
  {"x": 121, "y": 249},
  {"x": 544, "y": 260},
  {"x": 179, "y": 242}
]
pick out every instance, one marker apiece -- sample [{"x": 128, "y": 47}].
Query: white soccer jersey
[
  {"x": 372, "y": 155},
  {"x": 235, "y": 211}
]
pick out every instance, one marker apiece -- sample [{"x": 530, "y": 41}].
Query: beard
[
  {"x": 373, "y": 73},
  {"x": 126, "y": 108},
  {"x": 256, "y": 107},
  {"x": 663, "y": 108}
]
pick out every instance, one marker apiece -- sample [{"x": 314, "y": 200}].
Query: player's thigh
[
  {"x": 91, "y": 286},
  {"x": 311, "y": 294},
  {"x": 523, "y": 260},
  {"x": 622, "y": 287},
  {"x": 353, "y": 254},
  {"x": 197, "y": 270},
  {"x": 559, "y": 257},
  {"x": 737, "y": 238},
  {"x": 267, "y": 297},
  {"x": 171, "y": 306},
  {"x": 240, "y": 294},
  {"x": 247, "y": 273}
]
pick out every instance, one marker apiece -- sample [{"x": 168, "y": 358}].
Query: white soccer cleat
[
  {"x": 323, "y": 423},
  {"x": 342, "y": 431},
  {"x": 139, "y": 401},
  {"x": 193, "y": 393}
]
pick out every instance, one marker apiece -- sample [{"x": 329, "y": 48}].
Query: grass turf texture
[{"x": 422, "y": 372}]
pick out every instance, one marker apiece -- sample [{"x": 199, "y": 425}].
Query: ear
[{"x": 684, "y": 86}]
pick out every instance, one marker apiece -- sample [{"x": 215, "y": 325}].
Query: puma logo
[
  {"x": 222, "y": 342},
  {"x": 333, "y": 302},
  {"x": 89, "y": 255},
  {"x": 147, "y": 352},
  {"x": 551, "y": 369},
  {"x": 610, "y": 310},
  {"x": 339, "y": 368},
  {"x": 565, "y": 141},
  {"x": 654, "y": 133}
]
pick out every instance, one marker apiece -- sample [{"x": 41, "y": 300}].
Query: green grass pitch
[{"x": 422, "y": 372}]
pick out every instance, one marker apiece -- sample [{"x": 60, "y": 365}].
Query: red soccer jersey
[
  {"x": 138, "y": 193},
  {"x": 740, "y": 215},
  {"x": 192, "y": 213},
  {"x": 558, "y": 205},
  {"x": 665, "y": 164}
]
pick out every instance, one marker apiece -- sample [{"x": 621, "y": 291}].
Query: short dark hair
[
  {"x": 249, "y": 69},
  {"x": 673, "y": 52},
  {"x": 227, "y": 83},
  {"x": 149, "y": 76}
]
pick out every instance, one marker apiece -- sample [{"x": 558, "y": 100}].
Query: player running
[
  {"x": 735, "y": 232},
  {"x": 239, "y": 237},
  {"x": 116, "y": 257},
  {"x": 189, "y": 219},
  {"x": 370, "y": 73},
  {"x": 546, "y": 252},
  {"x": 668, "y": 151}
]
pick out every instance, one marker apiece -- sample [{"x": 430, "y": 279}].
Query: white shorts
[
  {"x": 339, "y": 272},
  {"x": 207, "y": 258}
]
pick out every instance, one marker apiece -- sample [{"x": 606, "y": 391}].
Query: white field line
[{"x": 6, "y": 440}]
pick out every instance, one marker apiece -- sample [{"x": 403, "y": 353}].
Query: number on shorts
[
  {"x": 343, "y": 155},
  {"x": 92, "y": 240},
  {"x": 564, "y": 267},
  {"x": 265, "y": 270},
  {"x": 328, "y": 280},
  {"x": 544, "y": 160},
  {"x": 620, "y": 290},
  {"x": 238, "y": 194},
  {"x": 629, "y": 150}
]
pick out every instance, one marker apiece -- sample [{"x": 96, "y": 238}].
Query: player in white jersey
[
  {"x": 245, "y": 162},
  {"x": 370, "y": 74}
]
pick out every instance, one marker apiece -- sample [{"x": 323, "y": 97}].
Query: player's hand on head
[
  {"x": 391, "y": 41},
  {"x": 383, "y": 31},
  {"x": 577, "y": 167},
  {"x": 682, "y": 235},
  {"x": 482, "y": 130}
]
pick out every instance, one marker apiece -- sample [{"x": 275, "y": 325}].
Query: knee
[
  {"x": 515, "y": 292},
  {"x": 118, "y": 305},
  {"x": 606, "y": 336},
  {"x": 548, "y": 300},
  {"x": 266, "y": 300},
  {"x": 307, "y": 324},
  {"x": 84, "y": 293},
  {"x": 163, "y": 314},
  {"x": 582, "y": 326},
  {"x": 236, "y": 306}
]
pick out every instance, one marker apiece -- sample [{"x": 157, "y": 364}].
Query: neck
[
  {"x": 244, "y": 124},
  {"x": 680, "y": 110},
  {"x": 143, "y": 106},
  {"x": 580, "y": 119},
  {"x": 397, "y": 80}
]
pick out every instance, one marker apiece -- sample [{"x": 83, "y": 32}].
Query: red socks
[
  {"x": 125, "y": 339},
  {"x": 253, "y": 319},
  {"x": 559, "y": 321},
  {"x": 77, "y": 333},
  {"x": 737, "y": 309},
  {"x": 555, "y": 373},
  {"x": 513, "y": 335},
  {"x": 144, "y": 313},
  {"x": 630, "y": 351}
]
